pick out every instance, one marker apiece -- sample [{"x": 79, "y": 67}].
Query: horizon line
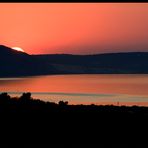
[
  {"x": 91, "y": 54},
  {"x": 122, "y": 52}
]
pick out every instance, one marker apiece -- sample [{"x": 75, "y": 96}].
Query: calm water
[{"x": 82, "y": 89}]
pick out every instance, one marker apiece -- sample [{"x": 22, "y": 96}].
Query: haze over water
[{"x": 82, "y": 89}]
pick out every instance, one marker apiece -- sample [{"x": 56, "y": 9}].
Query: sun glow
[{"x": 18, "y": 49}]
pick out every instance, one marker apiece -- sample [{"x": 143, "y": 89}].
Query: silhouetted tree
[
  {"x": 62, "y": 103},
  {"x": 4, "y": 97},
  {"x": 25, "y": 96}
]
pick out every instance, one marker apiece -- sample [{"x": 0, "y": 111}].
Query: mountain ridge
[
  {"x": 7, "y": 50},
  {"x": 16, "y": 63},
  {"x": 107, "y": 53}
]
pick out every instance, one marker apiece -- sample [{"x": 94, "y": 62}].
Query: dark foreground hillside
[{"x": 33, "y": 121}]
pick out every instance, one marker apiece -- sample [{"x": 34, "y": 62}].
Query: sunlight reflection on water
[{"x": 81, "y": 89}]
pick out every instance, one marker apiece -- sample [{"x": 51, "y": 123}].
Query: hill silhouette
[
  {"x": 109, "y": 63},
  {"x": 7, "y": 51},
  {"x": 15, "y": 63}
]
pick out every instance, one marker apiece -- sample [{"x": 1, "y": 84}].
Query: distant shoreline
[
  {"x": 100, "y": 103},
  {"x": 22, "y": 76}
]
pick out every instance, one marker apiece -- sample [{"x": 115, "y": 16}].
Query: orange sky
[{"x": 78, "y": 28}]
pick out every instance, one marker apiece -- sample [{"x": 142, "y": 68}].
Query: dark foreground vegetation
[{"x": 27, "y": 120}]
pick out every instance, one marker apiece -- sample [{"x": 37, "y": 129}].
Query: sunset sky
[{"x": 77, "y": 28}]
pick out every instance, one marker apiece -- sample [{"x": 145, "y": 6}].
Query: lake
[{"x": 129, "y": 89}]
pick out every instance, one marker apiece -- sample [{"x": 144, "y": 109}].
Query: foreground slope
[{"x": 33, "y": 121}]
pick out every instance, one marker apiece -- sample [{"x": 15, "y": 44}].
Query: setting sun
[{"x": 18, "y": 49}]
